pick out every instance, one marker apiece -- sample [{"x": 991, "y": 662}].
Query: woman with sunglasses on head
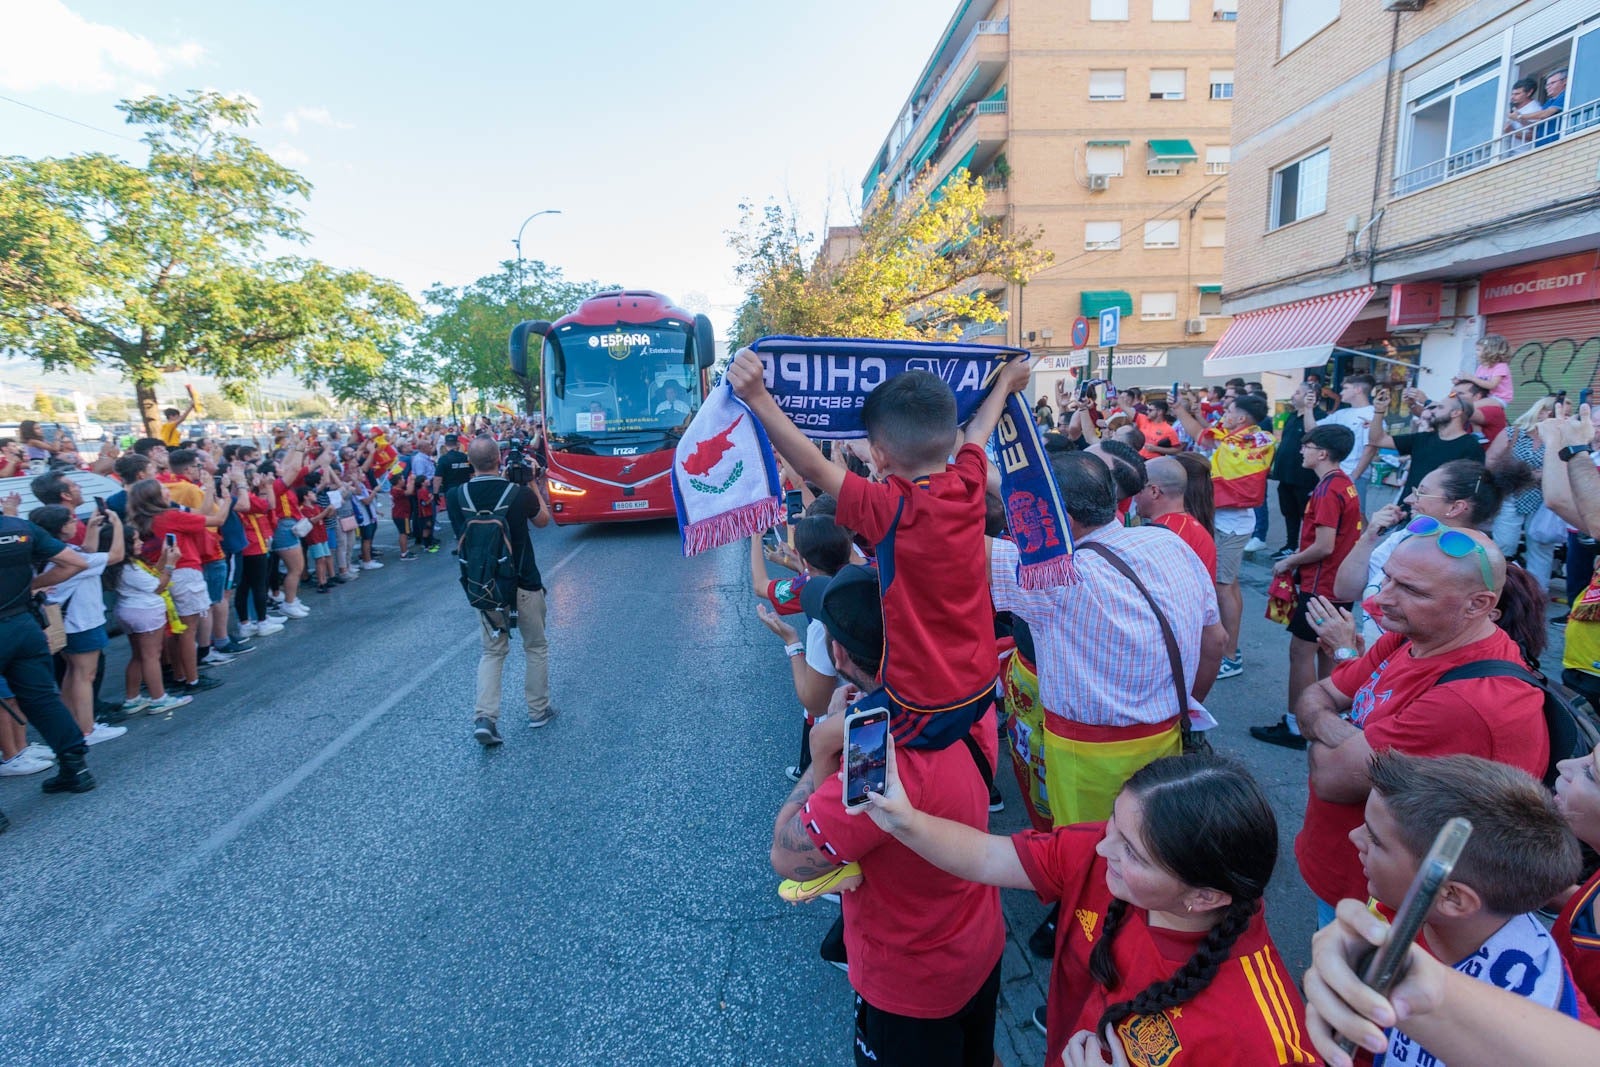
[{"x": 1163, "y": 944}]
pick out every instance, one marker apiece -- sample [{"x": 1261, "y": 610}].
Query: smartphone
[
  {"x": 1174, "y": 392},
  {"x": 1583, "y": 396},
  {"x": 172, "y": 540},
  {"x": 866, "y": 755},
  {"x": 100, "y": 504},
  {"x": 1383, "y": 969}
]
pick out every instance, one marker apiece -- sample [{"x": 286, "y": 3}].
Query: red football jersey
[{"x": 1333, "y": 503}]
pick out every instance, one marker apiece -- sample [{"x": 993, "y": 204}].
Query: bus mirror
[
  {"x": 705, "y": 342},
  {"x": 519, "y": 344}
]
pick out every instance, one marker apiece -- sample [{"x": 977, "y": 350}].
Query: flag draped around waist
[{"x": 821, "y": 383}]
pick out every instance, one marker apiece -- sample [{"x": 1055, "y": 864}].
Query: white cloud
[
  {"x": 49, "y": 46},
  {"x": 289, "y": 155},
  {"x": 312, "y": 116}
]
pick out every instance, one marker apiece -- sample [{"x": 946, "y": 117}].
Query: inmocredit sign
[{"x": 1531, "y": 285}]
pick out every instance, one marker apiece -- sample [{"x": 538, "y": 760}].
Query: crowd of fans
[
  {"x": 205, "y": 550},
  {"x": 1407, "y": 619}
]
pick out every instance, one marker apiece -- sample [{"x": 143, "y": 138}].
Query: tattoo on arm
[{"x": 803, "y": 789}]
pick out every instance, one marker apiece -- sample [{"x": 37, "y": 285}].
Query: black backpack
[
  {"x": 488, "y": 570},
  {"x": 1573, "y": 730}
]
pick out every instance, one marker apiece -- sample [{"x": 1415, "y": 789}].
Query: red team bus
[{"x": 620, "y": 378}]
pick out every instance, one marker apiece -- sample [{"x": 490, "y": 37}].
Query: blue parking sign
[{"x": 1110, "y": 325}]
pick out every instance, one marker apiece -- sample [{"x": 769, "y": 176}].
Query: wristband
[{"x": 794, "y": 649}]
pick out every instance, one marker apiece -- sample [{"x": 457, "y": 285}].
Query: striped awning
[{"x": 1288, "y": 337}]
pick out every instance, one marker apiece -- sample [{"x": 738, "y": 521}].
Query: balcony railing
[
  {"x": 982, "y": 29},
  {"x": 1582, "y": 119},
  {"x": 991, "y": 107}
]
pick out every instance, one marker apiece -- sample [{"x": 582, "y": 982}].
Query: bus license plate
[{"x": 629, "y": 505}]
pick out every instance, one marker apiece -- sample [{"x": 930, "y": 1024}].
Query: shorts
[
  {"x": 1230, "y": 555},
  {"x": 368, "y": 531},
  {"x": 283, "y": 535},
  {"x": 965, "y": 1039},
  {"x": 216, "y": 575},
  {"x": 320, "y": 550},
  {"x": 91, "y": 640},
  {"x": 403, "y": 525},
  {"x": 188, "y": 589},
  {"x": 141, "y": 620},
  {"x": 1299, "y": 624}
]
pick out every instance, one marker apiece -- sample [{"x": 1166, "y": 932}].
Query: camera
[{"x": 518, "y": 470}]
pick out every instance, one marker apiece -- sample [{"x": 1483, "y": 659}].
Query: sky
[{"x": 431, "y": 131}]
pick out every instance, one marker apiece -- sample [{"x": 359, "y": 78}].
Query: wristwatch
[
  {"x": 1345, "y": 655},
  {"x": 1568, "y": 451}
]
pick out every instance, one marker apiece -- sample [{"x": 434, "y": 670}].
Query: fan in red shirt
[
  {"x": 1161, "y": 502},
  {"x": 1440, "y": 609},
  {"x": 1162, "y": 935},
  {"x": 1577, "y": 929}
]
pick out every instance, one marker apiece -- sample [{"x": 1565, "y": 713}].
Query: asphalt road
[{"x": 316, "y": 864}]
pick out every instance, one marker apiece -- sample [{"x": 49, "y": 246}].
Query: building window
[
  {"x": 1108, "y": 10},
  {"x": 1210, "y": 303},
  {"x": 1222, "y": 85},
  {"x": 1154, "y": 306},
  {"x": 1211, "y": 232},
  {"x": 1108, "y": 84},
  {"x": 1217, "y": 159},
  {"x": 1105, "y": 159},
  {"x": 1452, "y": 129},
  {"x": 1302, "y": 20},
  {"x": 1166, "y": 84},
  {"x": 1300, "y": 189},
  {"x": 1224, "y": 10},
  {"x": 1169, "y": 10},
  {"x": 1102, "y": 236},
  {"x": 1161, "y": 233}
]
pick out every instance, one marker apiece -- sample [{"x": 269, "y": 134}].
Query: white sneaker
[
  {"x": 216, "y": 658},
  {"x": 372, "y": 565},
  {"x": 1254, "y": 545},
  {"x": 248, "y": 629},
  {"x": 268, "y": 627},
  {"x": 38, "y": 751},
  {"x": 296, "y": 610},
  {"x": 276, "y": 598},
  {"x": 166, "y": 704},
  {"x": 350, "y": 575},
  {"x": 22, "y": 763},
  {"x": 136, "y": 705},
  {"x": 102, "y": 732}
]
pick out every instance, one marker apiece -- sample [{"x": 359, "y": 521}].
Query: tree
[
  {"x": 45, "y": 405},
  {"x": 162, "y": 267},
  {"x": 466, "y": 338},
  {"x": 111, "y": 409},
  {"x": 400, "y": 382},
  {"x": 921, "y": 270},
  {"x": 217, "y": 406}
]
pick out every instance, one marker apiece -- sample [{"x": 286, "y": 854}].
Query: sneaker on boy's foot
[
  {"x": 793, "y": 772},
  {"x": 247, "y": 629},
  {"x": 102, "y": 732},
  {"x": 408, "y": 556},
  {"x": 237, "y": 649},
  {"x": 275, "y": 596},
  {"x": 1254, "y": 545},
  {"x": 136, "y": 705},
  {"x": 296, "y": 610},
  {"x": 486, "y": 731},
  {"x": 269, "y": 626},
  {"x": 167, "y": 704},
  {"x": 217, "y": 658},
  {"x": 372, "y": 565},
  {"x": 22, "y": 764},
  {"x": 39, "y": 751},
  {"x": 1231, "y": 668},
  {"x": 1279, "y": 733},
  {"x": 199, "y": 685}
]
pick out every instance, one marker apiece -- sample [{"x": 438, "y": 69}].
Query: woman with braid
[{"x": 1162, "y": 944}]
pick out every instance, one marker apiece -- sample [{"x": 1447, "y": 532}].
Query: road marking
[{"x": 19, "y": 999}]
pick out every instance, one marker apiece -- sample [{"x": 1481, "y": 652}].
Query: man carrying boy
[
  {"x": 927, "y": 520},
  {"x": 1483, "y": 922}
]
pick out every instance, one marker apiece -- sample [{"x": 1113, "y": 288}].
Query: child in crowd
[
  {"x": 1520, "y": 855},
  {"x": 400, "y": 495},
  {"x": 1167, "y": 945},
  {"x": 144, "y": 610},
  {"x": 1493, "y": 371},
  {"x": 317, "y": 549},
  {"x": 926, "y": 519}
]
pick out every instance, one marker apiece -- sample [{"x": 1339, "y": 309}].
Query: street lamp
[{"x": 524, "y": 226}]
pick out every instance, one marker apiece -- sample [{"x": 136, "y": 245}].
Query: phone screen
[
  {"x": 866, "y": 755},
  {"x": 172, "y": 539}
]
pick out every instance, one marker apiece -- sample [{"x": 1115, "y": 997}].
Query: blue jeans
[
  {"x": 1262, "y": 515},
  {"x": 26, "y": 666}
]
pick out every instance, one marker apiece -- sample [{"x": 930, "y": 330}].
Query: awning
[
  {"x": 998, "y": 94},
  {"x": 964, "y": 161},
  {"x": 1108, "y": 144},
  {"x": 870, "y": 185},
  {"x": 1174, "y": 149},
  {"x": 1210, "y": 288},
  {"x": 931, "y": 143},
  {"x": 1093, "y": 301},
  {"x": 1287, "y": 337}
]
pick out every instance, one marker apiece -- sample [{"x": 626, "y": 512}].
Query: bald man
[
  {"x": 1438, "y": 605},
  {"x": 1161, "y": 501},
  {"x": 486, "y": 492}
]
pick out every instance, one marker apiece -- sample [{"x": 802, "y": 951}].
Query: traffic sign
[
  {"x": 1080, "y": 332},
  {"x": 1110, "y": 325}
]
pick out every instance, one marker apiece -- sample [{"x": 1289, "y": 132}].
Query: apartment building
[
  {"x": 1104, "y": 125},
  {"x": 1409, "y": 176}
]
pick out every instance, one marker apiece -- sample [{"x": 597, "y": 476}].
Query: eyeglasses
[{"x": 1453, "y": 543}]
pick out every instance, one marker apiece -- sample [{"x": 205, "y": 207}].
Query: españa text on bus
[{"x": 612, "y": 340}]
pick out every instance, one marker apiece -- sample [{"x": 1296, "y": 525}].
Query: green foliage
[
  {"x": 161, "y": 267},
  {"x": 111, "y": 409},
  {"x": 45, "y": 405},
  {"x": 921, "y": 270},
  {"x": 464, "y": 343},
  {"x": 402, "y": 382}
]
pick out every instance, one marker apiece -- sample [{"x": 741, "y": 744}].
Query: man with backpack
[{"x": 491, "y": 517}]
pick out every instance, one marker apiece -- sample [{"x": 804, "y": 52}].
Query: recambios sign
[{"x": 1531, "y": 285}]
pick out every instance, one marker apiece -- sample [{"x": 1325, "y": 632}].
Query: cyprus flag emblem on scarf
[{"x": 821, "y": 383}]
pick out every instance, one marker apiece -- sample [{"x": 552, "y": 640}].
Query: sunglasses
[{"x": 1453, "y": 543}]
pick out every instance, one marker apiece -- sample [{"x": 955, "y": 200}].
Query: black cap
[
  {"x": 850, "y": 606},
  {"x": 451, "y": 438}
]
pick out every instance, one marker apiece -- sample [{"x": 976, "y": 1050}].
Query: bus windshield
[{"x": 620, "y": 379}]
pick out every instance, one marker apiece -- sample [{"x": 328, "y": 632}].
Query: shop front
[{"x": 1549, "y": 313}]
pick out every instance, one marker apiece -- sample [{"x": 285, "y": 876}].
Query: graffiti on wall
[{"x": 1539, "y": 368}]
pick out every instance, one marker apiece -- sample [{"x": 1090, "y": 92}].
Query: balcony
[
  {"x": 977, "y": 63},
  {"x": 1515, "y": 145},
  {"x": 973, "y": 140}
]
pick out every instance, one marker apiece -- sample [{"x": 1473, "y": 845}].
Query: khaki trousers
[{"x": 536, "y": 652}]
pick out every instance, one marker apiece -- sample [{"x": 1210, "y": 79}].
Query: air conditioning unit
[
  {"x": 1099, "y": 183},
  {"x": 1194, "y": 326}
]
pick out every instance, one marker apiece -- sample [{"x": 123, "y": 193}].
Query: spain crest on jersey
[{"x": 1150, "y": 1040}]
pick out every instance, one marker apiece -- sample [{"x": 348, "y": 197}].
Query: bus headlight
[{"x": 563, "y": 489}]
